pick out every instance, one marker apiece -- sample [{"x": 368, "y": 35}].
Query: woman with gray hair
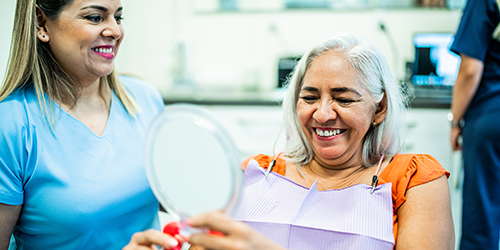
[
  {"x": 369, "y": 65},
  {"x": 340, "y": 183}
]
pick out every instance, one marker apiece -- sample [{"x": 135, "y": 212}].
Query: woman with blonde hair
[{"x": 72, "y": 131}]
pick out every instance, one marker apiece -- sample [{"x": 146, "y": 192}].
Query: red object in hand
[
  {"x": 216, "y": 233},
  {"x": 173, "y": 229}
]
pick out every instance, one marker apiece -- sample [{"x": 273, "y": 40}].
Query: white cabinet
[
  {"x": 254, "y": 129},
  {"x": 428, "y": 132}
]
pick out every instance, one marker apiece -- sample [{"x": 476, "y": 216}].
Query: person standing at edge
[{"x": 475, "y": 115}]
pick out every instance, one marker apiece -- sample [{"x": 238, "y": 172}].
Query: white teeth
[
  {"x": 327, "y": 133},
  {"x": 103, "y": 50}
]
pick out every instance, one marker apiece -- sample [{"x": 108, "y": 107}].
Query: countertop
[{"x": 275, "y": 98}]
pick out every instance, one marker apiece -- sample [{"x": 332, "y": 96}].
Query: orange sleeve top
[{"x": 404, "y": 171}]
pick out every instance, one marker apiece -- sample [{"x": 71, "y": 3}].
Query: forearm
[
  {"x": 466, "y": 85},
  {"x": 8, "y": 218}
]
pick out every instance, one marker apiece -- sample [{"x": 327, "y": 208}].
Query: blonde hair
[{"x": 31, "y": 62}]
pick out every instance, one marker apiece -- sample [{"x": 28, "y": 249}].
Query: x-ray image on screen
[{"x": 434, "y": 63}]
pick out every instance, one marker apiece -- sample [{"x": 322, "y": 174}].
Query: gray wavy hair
[{"x": 369, "y": 62}]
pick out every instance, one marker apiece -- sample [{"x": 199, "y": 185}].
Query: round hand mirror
[{"x": 191, "y": 163}]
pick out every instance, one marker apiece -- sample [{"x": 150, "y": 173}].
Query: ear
[
  {"x": 381, "y": 110},
  {"x": 41, "y": 19}
]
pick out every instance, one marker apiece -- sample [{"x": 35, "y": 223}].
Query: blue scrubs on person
[
  {"x": 481, "y": 133},
  {"x": 78, "y": 190}
]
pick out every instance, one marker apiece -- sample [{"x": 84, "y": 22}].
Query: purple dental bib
[{"x": 296, "y": 217}]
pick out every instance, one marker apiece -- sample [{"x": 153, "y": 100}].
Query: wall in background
[
  {"x": 240, "y": 50},
  {"x": 7, "y": 8},
  {"x": 176, "y": 47}
]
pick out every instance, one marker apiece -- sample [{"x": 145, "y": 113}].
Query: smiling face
[
  {"x": 335, "y": 111},
  {"x": 85, "y": 38}
]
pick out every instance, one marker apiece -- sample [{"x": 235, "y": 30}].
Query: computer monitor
[{"x": 435, "y": 64}]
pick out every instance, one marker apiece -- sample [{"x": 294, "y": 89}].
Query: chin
[
  {"x": 106, "y": 73},
  {"x": 329, "y": 154}
]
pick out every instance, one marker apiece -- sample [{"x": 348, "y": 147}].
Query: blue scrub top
[
  {"x": 474, "y": 39},
  {"x": 78, "y": 190}
]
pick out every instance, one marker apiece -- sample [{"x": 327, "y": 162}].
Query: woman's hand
[
  {"x": 148, "y": 239},
  {"x": 455, "y": 138},
  {"x": 237, "y": 235}
]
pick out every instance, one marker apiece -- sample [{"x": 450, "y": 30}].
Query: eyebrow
[
  {"x": 102, "y": 8},
  {"x": 337, "y": 90}
]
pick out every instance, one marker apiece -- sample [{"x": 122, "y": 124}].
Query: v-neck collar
[{"x": 108, "y": 122}]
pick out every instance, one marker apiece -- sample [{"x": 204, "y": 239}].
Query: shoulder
[
  {"x": 15, "y": 99},
  {"x": 417, "y": 168},
  {"x": 143, "y": 92},
  {"x": 479, "y": 8},
  {"x": 409, "y": 170},
  {"x": 474, "y": 34},
  {"x": 404, "y": 164},
  {"x": 14, "y": 110},
  {"x": 17, "y": 140},
  {"x": 20, "y": 113},
  {"x": 414, "y": 160}
]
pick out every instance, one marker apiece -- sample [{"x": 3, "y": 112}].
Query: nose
[
  {"x": 325, "y": 112},
  {"x": 112, "y": 29}
]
